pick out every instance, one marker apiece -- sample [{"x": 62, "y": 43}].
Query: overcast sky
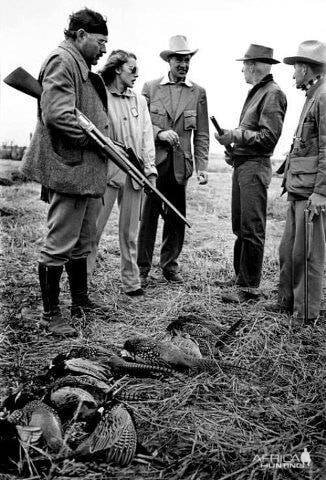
[{"x": 220, "y": 29}]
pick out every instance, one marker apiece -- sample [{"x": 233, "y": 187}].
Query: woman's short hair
[{"x": 115, "y": 60}]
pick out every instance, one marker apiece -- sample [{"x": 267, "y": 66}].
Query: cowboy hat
[
  {"x": 259, "y": 53},
  {"x": 310, "y": 51},
  {"x": 178, "y": 46}
]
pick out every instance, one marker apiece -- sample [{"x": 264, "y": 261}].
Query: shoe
[
  {"x": 278, "y": 308},
  {"x": 241, "y": 297},
  {"x": 143, "y": 281},
  {"x": 172, "y": 277},
  {"x": 135, "y": 293},
  {"x": 226, "y": 283},
  {"x": 299, "y": 321},
  {"x": 59, "y": 326}
]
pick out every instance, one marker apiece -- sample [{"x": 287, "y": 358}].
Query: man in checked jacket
[{"x": 260, "y": 127}]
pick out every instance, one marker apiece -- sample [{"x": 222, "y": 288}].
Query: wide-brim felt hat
[
  {"x": 178, "y": 45},
  {"x": 259, "y": 53},
  {"x": 310, "y": 51}
]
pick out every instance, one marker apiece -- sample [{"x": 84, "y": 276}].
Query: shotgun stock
[{"x": 26, "y": 83}]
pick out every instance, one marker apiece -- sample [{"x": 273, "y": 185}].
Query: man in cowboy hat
[
  {"x": 253, "y": 141},
  {"x": 178, "y": 110},
  {"x": 305, "y": 183}
]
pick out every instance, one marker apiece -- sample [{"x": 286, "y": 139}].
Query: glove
[{"x": 226, "y": 138}]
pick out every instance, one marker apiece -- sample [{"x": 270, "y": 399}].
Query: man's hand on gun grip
[
  {"x": 169, "y": 136},
  {"x": 226, "y": 138},
  {"x": 316, "y": 204},
  {"x": 202, "y": 177}
]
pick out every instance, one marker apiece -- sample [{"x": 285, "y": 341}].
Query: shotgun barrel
[
  {"x": 220, "y": 132},
  {"x": 306, "y": 251},
  {"x": 123, "y": 162}
]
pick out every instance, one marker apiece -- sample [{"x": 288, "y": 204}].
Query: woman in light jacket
[{"x": 129, "y": 124}]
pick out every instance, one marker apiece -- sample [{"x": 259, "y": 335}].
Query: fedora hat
[
  {"x": 310, "y": 51},
  {"x": 178, "y": 45},
  {"x": 259, "y": 53}
]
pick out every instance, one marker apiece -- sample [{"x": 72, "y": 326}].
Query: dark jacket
[
  {"x": 190, "y": 122},
  {"x": 305, "y": 170},
  {"x": 261, "y": 121},
  {"x": 61, "y": 155}
]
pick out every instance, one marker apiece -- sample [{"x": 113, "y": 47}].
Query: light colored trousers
[
  {"x": 291, "y": 286},
  {"x": 71, "y": 228},
  {"x": 129, "y": 201}
]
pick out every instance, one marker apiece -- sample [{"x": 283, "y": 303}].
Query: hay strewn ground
[{"x": 209, "y": 427}]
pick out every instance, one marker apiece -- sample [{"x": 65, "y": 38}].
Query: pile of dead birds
[{"x": 80, "y": 406}]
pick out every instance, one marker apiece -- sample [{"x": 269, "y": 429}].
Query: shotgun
[
  {"x": 125, "y": 159},
  {"x": 307, "y": 235},
  {"x": 220, "y": 131}
]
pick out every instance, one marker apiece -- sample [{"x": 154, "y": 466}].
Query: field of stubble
[{"x": 211, "y": 427}]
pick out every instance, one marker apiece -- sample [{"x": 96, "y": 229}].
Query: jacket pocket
[
  {"x": 190, "y": 119},
  {"x": 300, "y": 165},
  {"x": 302, "y": 173},
  {"x": 158, "y": 116}
]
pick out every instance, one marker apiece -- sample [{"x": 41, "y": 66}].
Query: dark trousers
[
  {"x": 173, "y": 228},
  {"x": 249, "y": 203}
]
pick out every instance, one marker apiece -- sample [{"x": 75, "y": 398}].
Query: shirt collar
[
  {"x": 166, "y": 81},
  {"x": 127, "y": 93},
  {"x": 312, "y": 86}
]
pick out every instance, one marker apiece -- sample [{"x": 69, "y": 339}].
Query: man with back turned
[{"x": 253, "y": 141}]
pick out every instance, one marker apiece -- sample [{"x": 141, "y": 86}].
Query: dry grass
[{"x": 209, "y": 427}]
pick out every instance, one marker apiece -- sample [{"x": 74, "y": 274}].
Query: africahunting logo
[{"x": 284, "y": 461}]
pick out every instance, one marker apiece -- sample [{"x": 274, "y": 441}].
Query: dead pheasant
[
  {"x": 73, "y": 402},
  {"x": 38, "y": 414},
  {"x": 90, "y": 352},
  {"x": 100, "y": 390},
  {"x": 61, "y": 366},
  {"x": 187, "y": 345},
  {"x": 152, "y": 352},
  {"x": 114, "y": 437},
  {"x": 156, "y": 352},
  {"x": 202, "y": 334},
  {"x": 96, "y": 387},
  {"x": 121, "y": 367},
  {"x": 213, "y": 325}
]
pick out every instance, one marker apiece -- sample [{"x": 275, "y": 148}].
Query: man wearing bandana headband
[
  {"x": 62, "y": 158},
  {"x": 305, "y": 183}
]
